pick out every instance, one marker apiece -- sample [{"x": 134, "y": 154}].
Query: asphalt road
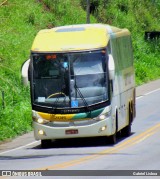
[{"x": 139, "y": 152}]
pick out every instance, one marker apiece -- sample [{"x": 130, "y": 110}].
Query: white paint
[
  {"x": 152, "y": 92},
  {"x": 139, "y": 97},
  {"x": 146, "y": 94},
  {"x": 19, "y": 147}
]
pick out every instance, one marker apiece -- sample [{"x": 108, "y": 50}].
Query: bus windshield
[{"x": 69, "y": 80}]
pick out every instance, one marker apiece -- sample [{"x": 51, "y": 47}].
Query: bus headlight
[
  {"x": 37, "y": 118},
  {"x": 104, "y": 116},
  {"x": 40, "y": 120}
]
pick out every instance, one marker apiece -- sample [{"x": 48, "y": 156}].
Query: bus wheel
[
  {"x": 46, "y": 143},
  {"x": 126, "y": 132}
]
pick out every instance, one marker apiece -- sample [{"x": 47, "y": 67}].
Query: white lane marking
[
  {"x": 146, "y": 94},
  {"x": 152, "y": 92},
  {"x": 23, "y": 146},
  {"x": 139, "y": 97},
  {"x": 38, "y": 141}
]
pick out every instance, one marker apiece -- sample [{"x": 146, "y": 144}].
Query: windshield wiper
[
  {"x": 60, "y": 84},
  {"x": 81, "y": 96}
]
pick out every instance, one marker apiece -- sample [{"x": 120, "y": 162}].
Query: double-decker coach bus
[{"x": 82, "y": 82}]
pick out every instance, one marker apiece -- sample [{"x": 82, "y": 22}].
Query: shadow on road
[
  {"x": 62, "y": 144},
  {"x": 81, "y": 142}
]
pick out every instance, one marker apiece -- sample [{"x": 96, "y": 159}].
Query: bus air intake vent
[{"x": 77, "y": 29}]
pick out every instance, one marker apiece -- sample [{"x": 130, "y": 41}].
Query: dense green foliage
[
  {"x": 21, "y": 20},
  {"x": 138, "y": 16}
]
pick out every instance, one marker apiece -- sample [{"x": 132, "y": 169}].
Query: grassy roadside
[{"x": 20, "y": 21}]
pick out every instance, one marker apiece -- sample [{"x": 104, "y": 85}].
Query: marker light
[
  {"x": 48, "y": 57},
  {"x": 103, "y": 51}
]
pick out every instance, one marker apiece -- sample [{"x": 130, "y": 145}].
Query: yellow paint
[
  {"x": 93, "y": 37},
  {"x": 56, "y": 117}
]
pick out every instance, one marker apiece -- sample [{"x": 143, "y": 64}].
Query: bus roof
[{"x": 75, "y": 38}]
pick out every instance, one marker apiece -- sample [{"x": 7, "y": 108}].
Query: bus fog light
[
  {"x": 41, "y": 132},
  {"x": 103, "y": 128}
]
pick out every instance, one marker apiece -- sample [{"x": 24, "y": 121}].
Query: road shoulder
[{"x": 148, "y": 87}]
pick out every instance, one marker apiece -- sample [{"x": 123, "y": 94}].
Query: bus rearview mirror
[
  {"x": 111, "y": 67},
  {"x": 24, "y": 72}
]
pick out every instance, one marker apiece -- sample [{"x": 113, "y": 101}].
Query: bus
[{"x": 82, "y": 82}]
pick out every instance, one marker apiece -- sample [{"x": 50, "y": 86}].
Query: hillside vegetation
[
  {"x": 139, "y": 16},
  {"x": 20, "y": 21}
]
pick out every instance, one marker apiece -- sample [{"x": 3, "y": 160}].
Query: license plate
[{"x": 72, "y": 131}]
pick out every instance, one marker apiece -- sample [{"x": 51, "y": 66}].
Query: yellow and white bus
[{"x": 82, "y": 82}]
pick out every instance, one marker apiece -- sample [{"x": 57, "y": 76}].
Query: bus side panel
[{"x": 124, "y": 83}]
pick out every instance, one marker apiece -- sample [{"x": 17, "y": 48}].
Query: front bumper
[{"x": 97, "y": 128}]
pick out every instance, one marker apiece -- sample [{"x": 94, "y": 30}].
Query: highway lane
[{"x": 140, "y": 151}]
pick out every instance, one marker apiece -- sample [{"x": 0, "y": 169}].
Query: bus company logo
[{"x": 58, "y": 118}]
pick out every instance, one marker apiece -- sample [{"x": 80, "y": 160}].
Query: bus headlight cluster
[
  {"x": 104, "y": 116},
  {"x": 42, "y": 121},
  {"x": 37, "y": 118}
]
